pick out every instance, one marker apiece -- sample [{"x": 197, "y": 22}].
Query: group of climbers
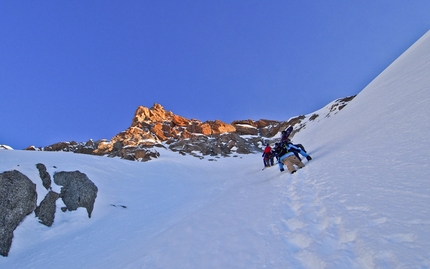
[{"x": 286, "y": 153}]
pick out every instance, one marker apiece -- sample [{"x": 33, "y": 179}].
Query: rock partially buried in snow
[
  {"x": 18, "y": 199},
  {"x": 46, "y": 210},
  {"x": 44, "y": 175},
  {"x": 77, "y": 191}
]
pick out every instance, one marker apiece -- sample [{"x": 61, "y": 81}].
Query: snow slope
[
  {"x": 5, "y": 147},
  {"x": 361, "y": 203}
]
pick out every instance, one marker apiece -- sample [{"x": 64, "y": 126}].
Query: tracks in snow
[{"x": 307, "y": 230}]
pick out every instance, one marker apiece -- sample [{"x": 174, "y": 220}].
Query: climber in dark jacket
[
  {"x": 297, "y": 148},
  {"x": 286, "y": 157}
]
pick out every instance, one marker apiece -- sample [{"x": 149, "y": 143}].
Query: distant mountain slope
[{"x": 155, "y": 127}]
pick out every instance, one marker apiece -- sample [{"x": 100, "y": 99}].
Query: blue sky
[{"x": 75, "y": 70}]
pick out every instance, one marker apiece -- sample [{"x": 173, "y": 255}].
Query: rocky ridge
[{"x": 154, "y": 127}]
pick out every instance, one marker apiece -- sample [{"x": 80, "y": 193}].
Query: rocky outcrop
[
  {"x": 154, "y": 127},
  {"x": 46, "y": 210},
  {"x": 138, "y": 153},
  {"x": 77, "y": 191},
  {"x": 18, "y": 199},
  {"x": 246, "y": 129},
  {"x": 222, "y": 145},
  {"x": 218, "y": 127},
  {"x": 44, "y": 175},
  {"x": 72, "y": 146}
]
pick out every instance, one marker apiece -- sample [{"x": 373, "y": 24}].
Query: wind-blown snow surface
[{"x": 362, "y": 202}]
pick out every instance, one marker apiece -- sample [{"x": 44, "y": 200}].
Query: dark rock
[
  {"x": 46, "y": 210},
  {"x": 46, "y": 178},
  {"x": 123, "y": 206},
  {"x": 18, "y": 199},
  {"x": 77, "y": 191},
  {"x": 313, "y": 117}
]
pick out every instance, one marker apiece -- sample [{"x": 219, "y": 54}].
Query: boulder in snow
[
  {"x": 18, "y": 199},
  {"x": 46, "y": 210},
  {"x": 77, "y": 191}
]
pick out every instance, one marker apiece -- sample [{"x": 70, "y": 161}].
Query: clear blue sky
[{"x": 75, "y": 70}]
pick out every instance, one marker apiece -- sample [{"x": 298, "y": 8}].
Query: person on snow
[
  {"x": 286, "y": 133},
  {"x": 288, "y": 158},
  {"x": 268, "y": 156},
  {"x": 296, "y": 149}
]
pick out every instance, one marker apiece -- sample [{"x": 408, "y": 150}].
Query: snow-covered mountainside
[{"x": 362, "y": 202}]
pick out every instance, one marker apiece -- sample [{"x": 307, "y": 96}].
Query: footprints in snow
[
  {"x": 307, "y": 229},
  {"x": 316, "y": 239}
]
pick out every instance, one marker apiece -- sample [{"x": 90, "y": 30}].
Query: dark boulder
[
  {"x": 18, "y": 199},
  {"x": 46, "y": 178},
  {"x": 46, "y": 210},
  {"x": 77, "y": 191}
]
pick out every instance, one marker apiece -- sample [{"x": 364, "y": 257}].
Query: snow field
[{"x": 362, "y": 202}]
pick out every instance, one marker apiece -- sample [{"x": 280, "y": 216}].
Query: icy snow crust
[{"x": 362, "y": 202}]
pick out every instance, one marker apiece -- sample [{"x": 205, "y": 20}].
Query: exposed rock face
[
  {"x": 46, "y": 210},
  {"x": 44, "y": 175},
  {"x": 72, "y": 146},
  {"x": 77, "y": 191},
  {"x": 155, "y": 127},
  {"x": 18, "y": 199},
  {"x": 219, "y": 127},
  {"x": 217, "y": 145},
  {"x": 246, "y": 129}
]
